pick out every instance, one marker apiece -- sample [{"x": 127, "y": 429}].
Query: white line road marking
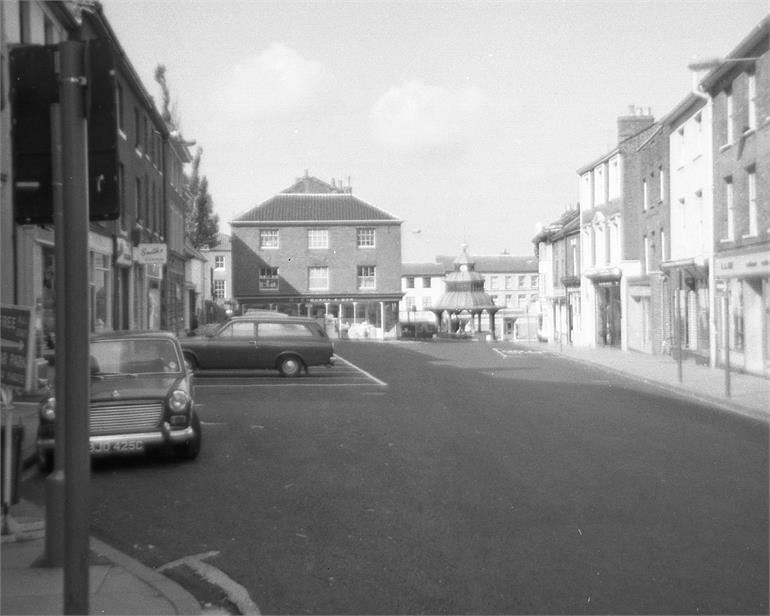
[
  {"x": 234, "y": 591},
  {"x": 354, "y": 373},
  {"x": 509, "y": 352},
  {"x": 362, "y": 371}
]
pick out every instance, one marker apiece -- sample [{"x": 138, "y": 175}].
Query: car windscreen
[{"x": 134, "y": 356}]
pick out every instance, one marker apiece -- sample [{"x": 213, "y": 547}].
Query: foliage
[{"x": 201, "y": 224}]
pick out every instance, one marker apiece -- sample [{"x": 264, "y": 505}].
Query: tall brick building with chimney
[{"x": 315, "y": 249}]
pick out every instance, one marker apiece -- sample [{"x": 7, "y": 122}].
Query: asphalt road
[{"x": 469, "y": 478}]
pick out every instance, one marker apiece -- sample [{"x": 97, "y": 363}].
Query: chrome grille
[{"x": 112, "y": 418}]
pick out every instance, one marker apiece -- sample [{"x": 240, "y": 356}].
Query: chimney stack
[{"x": 635, "y": 122}]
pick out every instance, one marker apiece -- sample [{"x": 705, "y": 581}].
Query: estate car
[{"x": 280, "y": 342}]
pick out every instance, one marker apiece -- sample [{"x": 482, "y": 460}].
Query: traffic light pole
[{"x": 74, "y": 165}]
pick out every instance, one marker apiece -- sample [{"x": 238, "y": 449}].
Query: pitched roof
[
  {"x": 422, "y": 269},
  {"x": 312, "y": 200},
  {"x": 508, "y": 264}
]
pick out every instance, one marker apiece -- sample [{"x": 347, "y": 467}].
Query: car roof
[
  {"x": 133, "y": 334},
  {"x": 274, "y": 317}
]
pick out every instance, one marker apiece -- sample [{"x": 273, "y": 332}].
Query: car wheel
[
  {"x": 190, "y": 363},
  {"x": 191, "y": 449},
  {"x": 290, "y": 366},
  {"x": 44, "y": 460}
]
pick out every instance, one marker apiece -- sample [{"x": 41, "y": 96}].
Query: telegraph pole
[{"x": 74, "y": 165}]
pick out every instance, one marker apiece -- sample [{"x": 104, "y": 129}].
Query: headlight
[
  {"x": 178, "y": 401},
  {"x": 48, "y": 409}
]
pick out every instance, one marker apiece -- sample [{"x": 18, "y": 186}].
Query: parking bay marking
[
  {"x": 281, "y": 382},
  {"x": 512, "y": 352}
]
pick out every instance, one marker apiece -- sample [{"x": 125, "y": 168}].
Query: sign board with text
[
  {"x": 151, "y": 253},
  {"x": 17, "y": 331}
]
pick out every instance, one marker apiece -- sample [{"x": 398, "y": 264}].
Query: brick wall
[{"x": 293, "y": 258}]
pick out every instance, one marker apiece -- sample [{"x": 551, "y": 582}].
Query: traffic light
[
  {"x": 34, "y": 88},
  {"x": 103, "y": 197}
]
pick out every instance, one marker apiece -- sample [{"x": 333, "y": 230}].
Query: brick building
[
  {"x": 647, "y": 302},
  {"x": 317, "y": 250},
  {"x": 219, "y": 260},
  {"x": 740, "y": 93},
  {"x": 557, "y": 249},
  {"x": 134, "y": 172},
  {"x": 610, "y": 220},
  {"x": 686, "y": 252}
]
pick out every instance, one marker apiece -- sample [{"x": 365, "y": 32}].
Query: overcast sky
[{"x": 467, "y": 120}]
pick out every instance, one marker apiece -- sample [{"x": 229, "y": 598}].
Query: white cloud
[
  {"x": 276, "y": 80},
  {"x": 416, "y": 116}
]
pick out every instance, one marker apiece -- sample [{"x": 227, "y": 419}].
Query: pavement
[
  {"x": 119, "y": 584},
  {"x": 749, "y": 395}
]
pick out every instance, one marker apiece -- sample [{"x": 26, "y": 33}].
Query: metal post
[
  {"x": 77, "y": 319},
  {"x": 678, "y": 325},
  {"x": 7, "y": 419},
  {"x": 54, "y": 483},
  {"x": 727, "y": 342}
]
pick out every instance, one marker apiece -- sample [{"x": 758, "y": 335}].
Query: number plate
[{"x": 122, "y": 446}]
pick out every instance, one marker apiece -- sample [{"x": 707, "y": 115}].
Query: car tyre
[
  {"x": 44, "y": 460},
  {"x": 191, "y": 449},
  {"x": 290, "y": 366}
]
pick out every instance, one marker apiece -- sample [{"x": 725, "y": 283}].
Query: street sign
[
  {"x": 17, "y": 346},
  {"x": 151, "y": 253}
]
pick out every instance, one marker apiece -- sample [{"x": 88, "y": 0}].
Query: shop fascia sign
[
  {"x": 743, "y": 265},
  {"x": 151, "y": 254}
]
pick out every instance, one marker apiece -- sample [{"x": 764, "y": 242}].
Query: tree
[
  {"x": 201, "y": 224},
  {"x": 160, "y": 77},
  {"x": 206, "y": 223}
]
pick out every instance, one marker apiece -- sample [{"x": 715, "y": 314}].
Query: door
[{"x": 232, "y": 347}]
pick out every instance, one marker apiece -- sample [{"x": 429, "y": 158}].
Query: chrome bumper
[{"x": 101, "y": 443}]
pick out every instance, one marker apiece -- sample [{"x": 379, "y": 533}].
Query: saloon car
[
  {"x": 280, "y": 342},
  {"x": 140, "y": 399}
]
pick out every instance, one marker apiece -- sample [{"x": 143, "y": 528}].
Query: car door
[
  {"x": 275, "y": 338},
  {"x": 233, "y": 346}
]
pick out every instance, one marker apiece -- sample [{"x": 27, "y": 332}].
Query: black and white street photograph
[{"x": 385, "y": 307}]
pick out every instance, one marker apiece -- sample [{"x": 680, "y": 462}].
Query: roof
[
  {"x": 223, "y": 244},
  {"x": 568, "y": 222},
  {"x": 422, "y": 269},
  {"x": 494, "y": 264},
  {"x": 757, "y": 36},
  {"x": 464, "y": 300},
  {"x": 312, "y": 200}
]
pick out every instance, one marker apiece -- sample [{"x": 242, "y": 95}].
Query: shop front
[
  {"x": 347, "y": 316},
  {"x": 743, "y": 311}
]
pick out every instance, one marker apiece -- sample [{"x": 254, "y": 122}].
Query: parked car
[
  {"x": 287, "y": 344},
  {"x": 141, "y": 399}
]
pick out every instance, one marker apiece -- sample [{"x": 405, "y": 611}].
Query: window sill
[
  {"x": 725, "y": 147},
  {"x": 749, "y": 236},
  {"x": 726, "y": 241}
]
